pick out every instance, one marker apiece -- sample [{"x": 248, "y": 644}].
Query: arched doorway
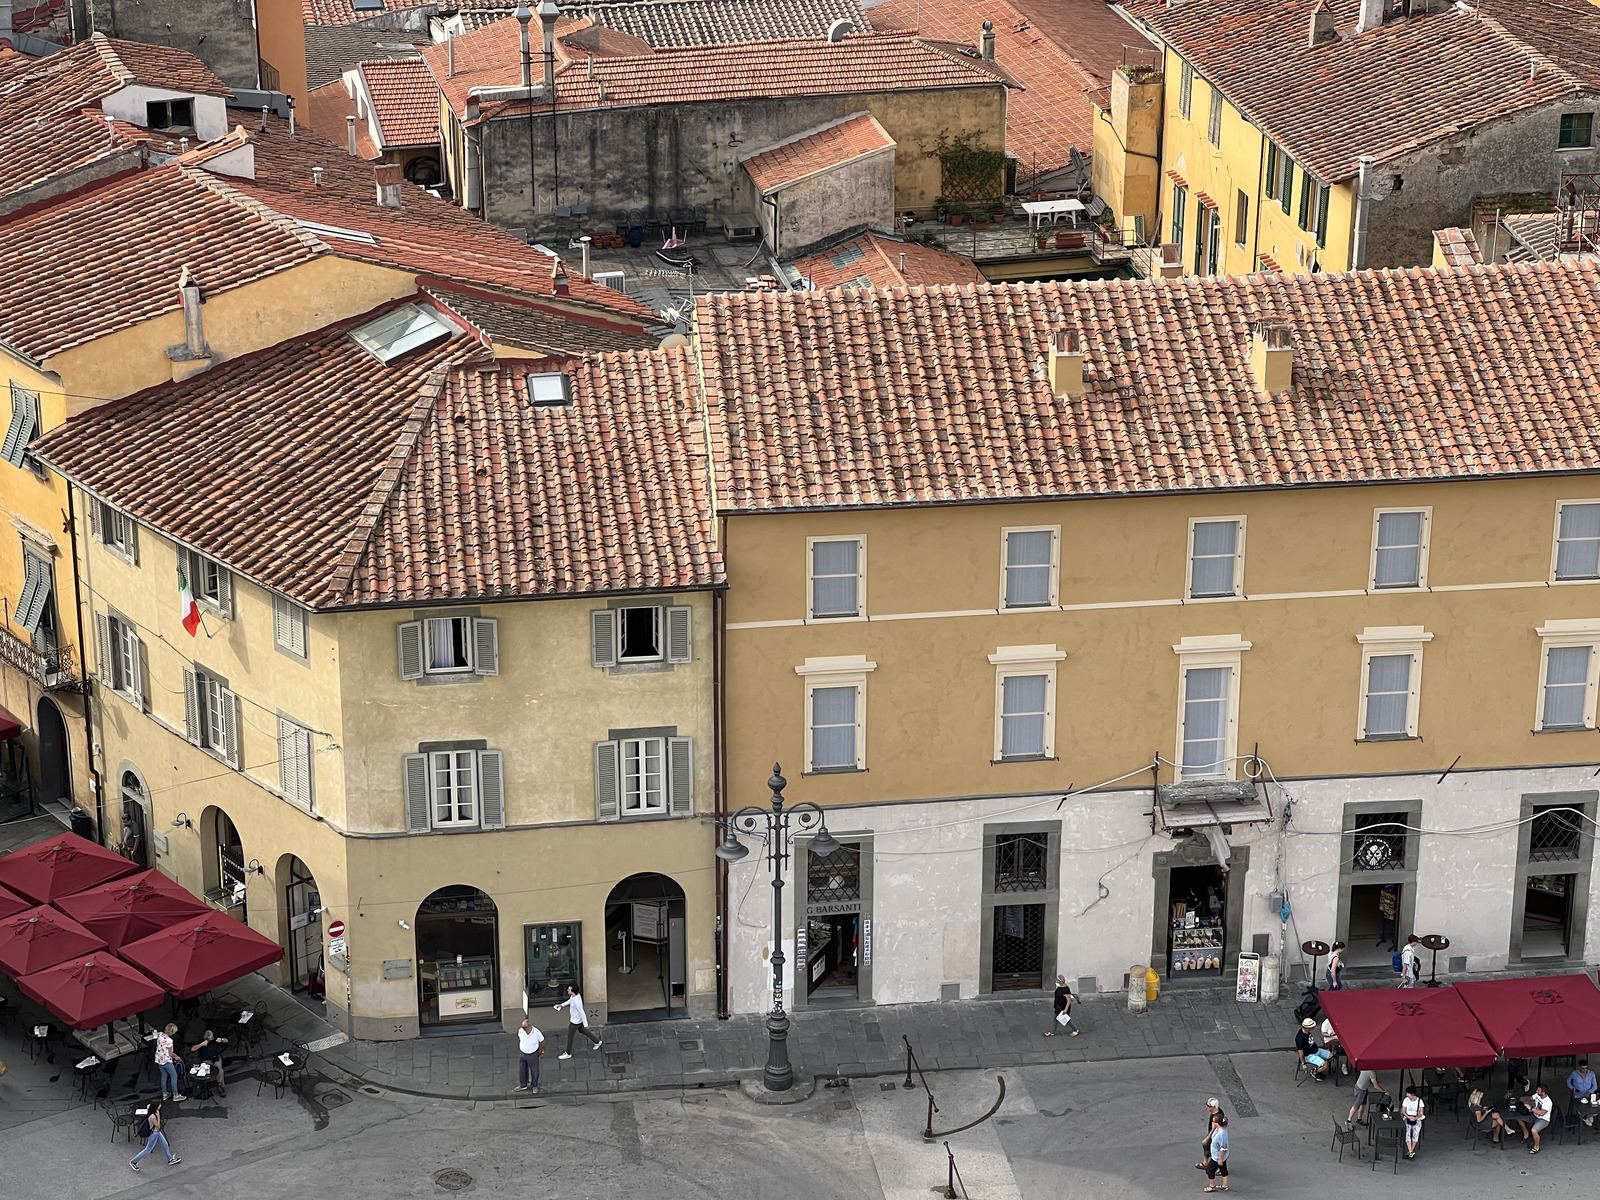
[
  {"x": 302, "y": 907},
  {"x": 458, "y": 959},
  {"x": 55, "y": 769},
  {"x": 135, "y": 832},
  {"x": 225, "y": 872},
  {"x": 646, "y": 945}
]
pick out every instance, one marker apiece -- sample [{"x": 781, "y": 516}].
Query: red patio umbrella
[
  {"x": 132, "y": 907},
  {"x": 10, "y": 902},
  {"x": 1387, "y": 1029},
  {"x": 60, "y": 865},
  {"x": 85, "y": 992},
  {"x": 193, "y": 957},
  {"x": 1535, "y": 1017},
  {"x": 36, "y": 938}
]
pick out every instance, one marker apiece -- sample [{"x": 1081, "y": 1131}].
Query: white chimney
[
  {"x": 291, "y": 116},
  {"x": 841, "y": 27},
  {"x": 902, "y": 262},
  {"x": 389, "y": 187},
  {"x": 1272, "y": 357},
  {"x": 451, "y": 51},
  {"x": 1371, "y": 15},
  {"x": 263, "y": 118},
  {"x": 350, "y": 135},
  {"x": 1358, "y": 246},
  {"x": 316, "y": 176},
  {"x": 1066, "y": 364},
  {"x": 549, "y": 14},
  {"x": 986, "y": 41},
  {"x": 524, "y": 14},
  {"x": 584, "y": 242}
]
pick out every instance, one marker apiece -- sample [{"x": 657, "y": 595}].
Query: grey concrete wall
[
  {"x": 848, "y": 197},
  {"x": 220, "y": 33},
  {"x": 1440, "y": 182}
]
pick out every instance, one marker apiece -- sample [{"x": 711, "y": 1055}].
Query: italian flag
[{"x": 191, "y": 610}]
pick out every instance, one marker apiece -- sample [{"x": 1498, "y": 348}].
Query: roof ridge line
[
  {"x": 110, "y": 58},
  {"x": 1534, "y": 57},
  {"x": 250, "y": 204}
]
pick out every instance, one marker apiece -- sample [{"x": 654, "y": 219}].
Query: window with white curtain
[
  {"x": 1205, "y": 721},
  {"x": 836, "y": 577},
  {"x": 449, "y": 645},
  {"x": 833, "y": 727},
  {"x": 1388, "y": 694},
  {"x": 1030, "y": 567},
  {"x": 1391, "y": 681},
  {"x": 1216, "y": 557},
  {"x": 1400, "y": 548},
  {"x": 1024, "y": 703},
  {"x": 1566, "y": 686},
  {"x": 1578, "y": 539}
]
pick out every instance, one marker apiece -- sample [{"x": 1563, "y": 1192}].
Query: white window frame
[
  {"x": 1012, "y": 661},
  {"x": 1238, "y": 560},
  {"x": 1555, "y": 545},
  {"x": 861, "y": 580},
  {"x": 1560, "y": 634},
  {"x": 1422, "y": 550},
  {"x": 1055, "y": 566},
  {"x": 121, "y": 656},
  {"x": 1211, "y": 650},
  {"x": 452, "y": 822},
  {"x": 1392, "y": 641},
  {"x": 115, "y": 530},
  {"x": 644, "y": 807},
  {"x": 838, "y": 671},
  {"x": 469, "y": 640}
]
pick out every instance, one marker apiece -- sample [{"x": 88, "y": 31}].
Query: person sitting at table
[
  {"x": 1484, "y": 1118},
  {"x": 1582, "y": 1084},
  {"x": 1513, "y": 1109},
  {"x": 208, "y": 1049},
  {"x": 1330, "y": 1042},
  {"x": 1542, "y": 1106},
  {"x": 1306, "y": 1047}
]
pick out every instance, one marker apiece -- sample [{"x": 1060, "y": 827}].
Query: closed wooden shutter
[
  {"x": 232, "y": 719},
  {"x": 603, "y": 637},
  {"x": 225, "y": 592},
  {"x": 191, "y": 706},
  {"x": 186, "y": 567},
  {"x": 96, "y": 523},
  {"x": 131, "y": 528},
  {"x": 607, "y": 795},
  {"x": 491, "y": 790},
  {"x": 485, "y": 646},
  {"x": 410, "y": 649},
  {"x": 289, "y": 626},
  {"x": 680, "y": 776},
  {"x": 416, "y": 784},
  {"x": 139, "y": 685},
  {"x": 102, "y": 645},
  {"x": 680, "y": 634}
]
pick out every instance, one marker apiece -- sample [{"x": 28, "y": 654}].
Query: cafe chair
[
  {"x": 122, "y": 1117},
  {"x": 1571, "y": 1122},
  {"x": 1387, "y": 1135},
  {"x": 1557, "y": 1126},
  {"x": 1474, "y": 1135},
  {"x": 1343, "y": 1137}
]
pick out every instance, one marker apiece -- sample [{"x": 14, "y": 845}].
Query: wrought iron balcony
[{"x": 55, "y": 669}]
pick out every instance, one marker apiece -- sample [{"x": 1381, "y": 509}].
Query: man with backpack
[
  {"x": 149, "y": 1128},
  {"x": 1408, "y": 962}
]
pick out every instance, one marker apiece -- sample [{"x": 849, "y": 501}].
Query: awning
[
  {"x": 1202, "y": 803},
  {"x": 1389, "y": 1029},
  {"x": 10, "y": 727},
  {"x": 41, "y": 937},
  {"x": 91, "y": 991},
  {"x": 192, "y": 957},
  {"x": 1534, "y": 1017},
  {"x": 133, "y": 907},
  {"x": 59, "y": 866}
]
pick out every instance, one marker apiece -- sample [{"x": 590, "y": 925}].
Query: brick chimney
[
  {"x": 1272, "y": 357},
  {"x": 389, "y": 187},
  {"x": 1066, "y": 364}
]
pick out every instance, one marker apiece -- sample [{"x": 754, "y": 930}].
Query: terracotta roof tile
[
  {"x": 158, "y": 66},
  {"x": 325, "y": 475},
  {"x": 710, "y": 22},
  {"x": 81, "y": 76},
  {"x": 850, "y": 398},
  {"x": 872, "y": 259},
  {"x": 54, "y": 146},
  {"x": 1457, "y": 247},
  {"x": 325, "y": 111},
  {"x": 1091, "y": 30},
  {"x": 538, "y": 327},
  {"x": 1050, "y": 117},
  {"x": 1392, "y": 89},
  {"x": 345, "y": 12},
  {"x": 405, "y": 99},
  {"x": 332, "y": 50},
  {"x": 804, "y": 155}
]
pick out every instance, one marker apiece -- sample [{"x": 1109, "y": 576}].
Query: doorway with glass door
[{"x": 833, "y": 937}]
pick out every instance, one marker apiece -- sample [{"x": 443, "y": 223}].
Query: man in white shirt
[
  {"x": 1408, "y": 962},
  {"x": 1542, "y": 1105},
  {"x": 530, "y": 1040}
]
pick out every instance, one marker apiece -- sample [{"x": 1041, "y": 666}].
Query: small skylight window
[
  {"x": 406, "y": 328},
  {"x": 367, "y": 6},
  {"x": 338, "y": 231},
  {"x": 549, "y": 390}
]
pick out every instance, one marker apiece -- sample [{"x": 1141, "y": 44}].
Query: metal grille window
[
  {"x": 834, "y": 877},
  {"x": 1017, "y": 960},
  {"x": 1555, "y": 835},
  {"x": 1380, "y": 842},
  {"x": 1021, "y": 862},
  {"x": 1578, "y": 542}
]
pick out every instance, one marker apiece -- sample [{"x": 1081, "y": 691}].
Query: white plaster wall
[
  {"x": 928, "y": 863},
  {"x": 210, "y": 112}
]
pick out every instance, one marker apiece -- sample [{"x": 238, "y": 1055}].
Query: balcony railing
[{"x": 54, "y": 670}]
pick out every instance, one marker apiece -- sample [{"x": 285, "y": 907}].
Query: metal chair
[
  {"x": 1389, "y": 1135},
  {"x": 1345, "y": 1136},
  {"x": 1557, "y": 1124},
  {"x": 122, "y": 1117},
  {"x": 1571, "y": 1122},
  {"x": 1474, "y": 1133}
]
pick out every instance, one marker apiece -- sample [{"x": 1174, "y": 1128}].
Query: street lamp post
[{"x": 779, "y": 826}]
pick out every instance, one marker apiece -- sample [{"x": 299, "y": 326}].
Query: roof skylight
[
  {"x": 406, "y": 328},
  {"x": 549, "y": 389}
]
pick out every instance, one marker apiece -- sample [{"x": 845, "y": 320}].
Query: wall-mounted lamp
[
  {"x": 319, "y": 910},
  {"x": 181, "y": 821},
  {"x": 255, "y": 865}
]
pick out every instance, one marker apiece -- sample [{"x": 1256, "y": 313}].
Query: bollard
[{"x": 1137, "y": 998}]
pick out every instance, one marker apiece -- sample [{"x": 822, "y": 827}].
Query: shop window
[
  {"x": 1380, "y": 841},
  {"x": 837, "y": 577},
  {"x": 1197, "y": 937},
  {"x": 553, "y": 959},
  {"x": 1030, "y": 567},
  {"x": 1555, "y": 834},
  {"x": 1021, "y": 862}
]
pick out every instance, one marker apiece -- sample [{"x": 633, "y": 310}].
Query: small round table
[
  {"x": 1435, "y": 942},
  {"x": 1316, "y": 950}
]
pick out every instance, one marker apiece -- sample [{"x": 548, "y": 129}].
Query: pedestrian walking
[
  {"x": 530, "y": 1043},
  {"x": 154, "y": 1137},
  {"x": 577, "y": 1019},
  {"x": 167, "y": 1065},
  {"x": 1213, "y": 1111},
  {"x": 1217, "y": 1168},
  {"x": 1408, "y": 962},
  {"x": 1415, "y": 1112},
  {"x": 1335, "y": 968},
  {"x": 1063, "y": 1017}
]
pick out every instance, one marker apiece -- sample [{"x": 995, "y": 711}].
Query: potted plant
[
  {"x": 958, "y": 213},
  {"x": 997, "y": 210}
]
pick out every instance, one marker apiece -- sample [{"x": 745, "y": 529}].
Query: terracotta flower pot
[{"x": 957, "y": 218}]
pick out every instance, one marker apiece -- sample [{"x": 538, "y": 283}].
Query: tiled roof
[
  {"x": 1090, "y": 30},
  {"x": 331, "y": 50},
  {"x": 344, "y": 12},
  {"x": 665, "y": 23},
  {"x": 873, "y": 62},
  {"x": 1456, "y": 247},
  {"x": 325, "y": 111},
  {"x": 405, "y": 100},
  {"x": 538, "y": 327},
  {"x": 109, "y": 256},
  {"x": 81, "y": 76},
  {"x": 53, "y": 146},
  {"x": 833, "y": 145},
  {"x": 873, "y": 260},
  {"x": 1392, "y": 89},
  {"x": 1047, "y": 119},
  {"x": 158, "y": 66},
  {"x": 851, "y": 398},
  {"x": 323, "y": 474}
]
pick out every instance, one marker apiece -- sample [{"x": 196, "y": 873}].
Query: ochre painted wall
[
  {"x": 281, "y": 34},
  {"x": 930, "y": 701}
]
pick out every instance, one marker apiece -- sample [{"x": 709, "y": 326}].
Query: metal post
[
  {"x": 908, "y": 1083},
  {"x": 927, "y": 1134},
  {"x": 779, "y": 1073},
  {"x": 950, "y": 1178}
]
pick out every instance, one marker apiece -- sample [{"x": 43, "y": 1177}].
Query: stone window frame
[{"x": 1582, "y": 866}]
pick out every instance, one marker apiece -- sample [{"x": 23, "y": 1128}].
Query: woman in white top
[
  {"x": 1415, "y": 1112},
  {"x": 577, "y": 1019}
]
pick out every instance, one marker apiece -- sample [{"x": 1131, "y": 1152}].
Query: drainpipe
[
  {"x": 1358, "y": 247},
  {"x": 718, "y": 751},
  {"x": 95, "y": 782}
]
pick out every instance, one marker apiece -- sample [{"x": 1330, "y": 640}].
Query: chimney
[
  {"x": 316, "y": 176},
  {"x": 986, "y": 42},
  {"x": 183, "y": 145},
  {"x": 1066, "y": 364},
  {"x": 1358, "y": 245},
  {"x": 524, "y": 15},
  {"x": 1322, "y": 25},
  {"x": 389, "y": 187},
  {"x": 194, "y": 329},
  {"x": 584, "y": 242},
  {"x": 451, "y": 51},
  {"x": 350, "y": 135},
  {"x": 549, "y": 14},
  {"x": 838, "y": 30},
  {"x": 263, "y": 118},
  {"x": 902, "y": 262},
  {"x": 291, "y": 116},
  {"x": 561, "y": 285},
  {"x": 1272, "y": 357},
  {"x": 1371, "y": 15}
]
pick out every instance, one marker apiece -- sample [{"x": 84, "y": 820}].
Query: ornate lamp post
[{"x": 779, "y": 828}]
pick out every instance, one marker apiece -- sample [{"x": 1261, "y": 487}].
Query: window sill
[
  {"x": 833, "y": 771},
  {"x": 1554, "y": 580},
  {"x": 1387, "y": 588},
  {"x": 1387, "y": 737},
  {"x": 1213, "y": 599},
  {"x": 834, "y": 618},
  {"x": 1023, "y": 758},
  {"x": 1563, "y": 729},
  {"x": 445, "y": 678},
  {"x": 209, "y": 607}
]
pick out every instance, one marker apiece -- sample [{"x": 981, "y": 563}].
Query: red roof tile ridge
[
  {"x": 108, "y": 55},
  {"x": 258, "y": 208}
]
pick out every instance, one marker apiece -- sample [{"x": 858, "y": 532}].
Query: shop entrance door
[
  {"x": 302, "y": 902},
  {"x": 645, "y": 951},
  {"x": 1198, "y": 922},
  {"x": 1547, "y": 916},
  {"x": 833, "y": 957},
  {"x": 458, "y": 960},
  {"x": 1017, "y": 960},
  {"x": 1372, "y": 925}
]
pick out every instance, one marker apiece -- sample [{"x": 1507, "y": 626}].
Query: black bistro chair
[
  {"x": 1387, "y": 1135},
  {"x": 1343, "y": 1137}
]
